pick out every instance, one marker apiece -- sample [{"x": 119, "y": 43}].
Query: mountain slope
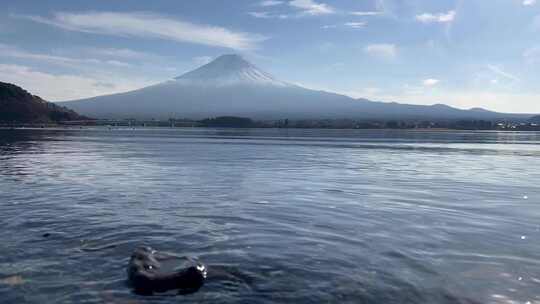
[
  {"x": 231, "y": 86},
  {"x": 17, "y": 105}
]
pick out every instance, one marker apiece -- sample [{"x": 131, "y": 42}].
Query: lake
[{"x": 284, "y": 216}]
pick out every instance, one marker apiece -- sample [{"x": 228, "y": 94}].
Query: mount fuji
[{"x": 232, "y": 86}]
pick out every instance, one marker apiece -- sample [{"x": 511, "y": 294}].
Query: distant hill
[
  {"x": 478, "y": 110},
  {"x": 535, "y": 119},
  {"x": 232, "y": 86},
  {"x": 19, "y": 106}
]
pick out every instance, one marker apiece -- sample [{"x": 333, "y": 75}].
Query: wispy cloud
[
  {"x": 262, "y": 15},
  {"x": 307, "y": 8},
  {"x": 385, "y": 51},
  {"x": 270, "y": 3},
  {"x": 430, "y": 82},
  {"x": 14, "y": 52},
  {"x": 528, "y": 2},
  {"x": 121, "y": 53},
  {"x": 356, "y": 25},
  {"x": 267, "y": 15},
  {"x": 310, "y": 7},
  {"x": 500, "y": 72},
  {"x": 82, "y": 72},
  {"x": 366, "y": 13},
  {"x": 73, "y": 86},
  {"x": 437, "y": 18},
  {"x": 148, "y": 25},
  {"x": 350, "y": 25}
]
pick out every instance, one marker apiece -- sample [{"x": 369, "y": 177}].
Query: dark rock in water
[
  {"x": 45, "y": 235},
  {"x": 147, "y": 272}
]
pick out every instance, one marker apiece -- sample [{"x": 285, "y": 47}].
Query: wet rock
[{"x": 150, "y": 271}]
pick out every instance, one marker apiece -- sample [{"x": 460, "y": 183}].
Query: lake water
[{"x": 279, "y": 216}]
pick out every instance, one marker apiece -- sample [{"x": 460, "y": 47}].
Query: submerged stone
[{"x": 150, "y": 271}]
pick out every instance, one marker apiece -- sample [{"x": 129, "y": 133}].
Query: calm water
[{"x": 297, "y": 216}]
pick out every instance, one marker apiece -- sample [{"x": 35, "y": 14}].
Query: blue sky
[{"x": 465, "y": 53}]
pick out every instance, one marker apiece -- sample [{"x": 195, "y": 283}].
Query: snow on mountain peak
[{"x": 227, "y": 70}]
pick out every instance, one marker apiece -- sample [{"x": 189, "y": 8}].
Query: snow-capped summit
[{"x": 227, "y": 70}]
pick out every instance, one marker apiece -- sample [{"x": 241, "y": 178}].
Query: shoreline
[{"x": 138, "y": 128}]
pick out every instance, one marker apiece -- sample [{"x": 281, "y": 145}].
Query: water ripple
[{"x": 301, "y": 216}]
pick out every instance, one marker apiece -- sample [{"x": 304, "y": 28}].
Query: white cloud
[
  {"x": 270, "y": 3},
  {"x": 430, "y": 82},
  {"x": 149, "y": 25},
  {"x": 385, "y": 51},
  {"x": 60, "y": 87},
  {"x": 310, "y": 7},
  {"x": 529, "y": 2},
  {"x": 356, "y": 25},
  {"x": 500, "y": 72},
  {"x": 436, "y": 18},
  {"x": 366, "y": 13}
]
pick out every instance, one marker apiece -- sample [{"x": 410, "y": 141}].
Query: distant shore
[
  {"x": 244, "y": 122},
  {"x": 86, "y": 127}
]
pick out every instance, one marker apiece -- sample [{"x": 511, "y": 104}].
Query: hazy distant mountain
[
  {"x": 535, "y": 119},
  {"x": 478, "y": 110},
  {"x": 17, "y": 105},
  {"x": 231, "y": 86}
]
